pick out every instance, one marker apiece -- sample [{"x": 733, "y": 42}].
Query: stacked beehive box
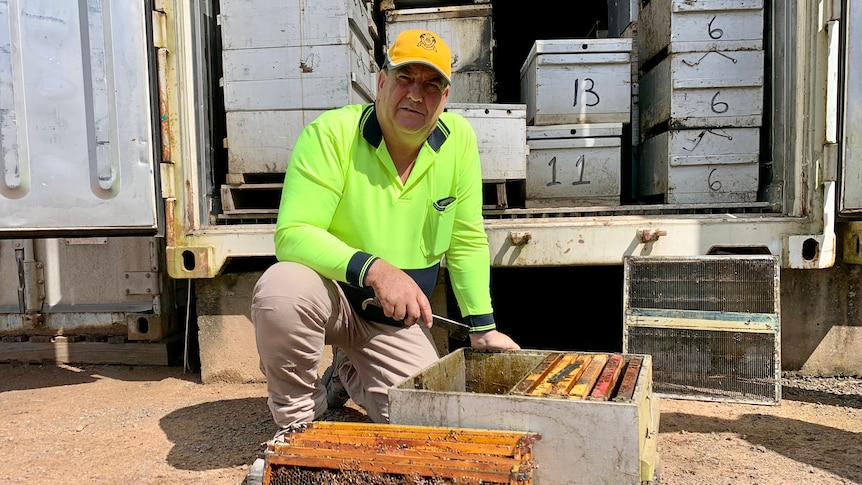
[
  {"x": 284, "y": 63},
  {"x": 501, "y": 132},
  {"x": 469, "y": 32},
  {"x": 622, "y": 16},
  {"x": 623, "y": 22},
  {"x": 701, "y": 100},
  {"x": 578, "y": 98}
]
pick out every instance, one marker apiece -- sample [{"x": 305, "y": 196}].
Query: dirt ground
[{"x": 98, "y": 424}]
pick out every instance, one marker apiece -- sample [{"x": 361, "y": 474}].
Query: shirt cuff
[
  {"x": 481, "y": 323},
  {"x": 357, "y": 268}
]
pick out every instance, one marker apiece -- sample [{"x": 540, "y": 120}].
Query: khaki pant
[{"x": 296, "y": 312}]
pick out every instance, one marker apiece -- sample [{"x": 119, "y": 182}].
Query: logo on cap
[{"x": 427, "y": 41}]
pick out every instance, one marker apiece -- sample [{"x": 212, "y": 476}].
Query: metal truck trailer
[
  {"x": 82, "y": 259},
  {"x": 214, "y": 218}
]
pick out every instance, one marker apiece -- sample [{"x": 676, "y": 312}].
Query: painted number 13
[{"x": 589, "y": 84}]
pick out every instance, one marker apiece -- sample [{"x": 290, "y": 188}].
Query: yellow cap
[{"x": 421, "y": 47}]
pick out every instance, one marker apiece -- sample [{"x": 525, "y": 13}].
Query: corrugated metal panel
[{"x": 75, "y": 117}]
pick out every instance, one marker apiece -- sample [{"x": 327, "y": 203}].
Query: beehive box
[
  {"x": 468, "y": 30},
  {"x": 307, "y": 77},
  {"x": 283, "y": 64},
  {"x": 294, "y": 23},
  {"x": 573, "y": 165},
  {"x": 621, "y": 15},
  {"x": 501, "y": 132},
  {"x": 578, "y": 81},
  {"x": 271, "y": 93},
  {"x": 703, "y": 26},
  {"x": 262, "y": 141},
  {"x": 703, "y": 89},
  {"x": 592, "y": 440},
  {"x": 718, "y": 165}
]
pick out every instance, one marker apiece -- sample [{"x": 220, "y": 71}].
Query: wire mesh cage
[{"x": 711, "y": 324}]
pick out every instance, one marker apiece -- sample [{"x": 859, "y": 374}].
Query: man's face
[{"x": 410, "y": 98}]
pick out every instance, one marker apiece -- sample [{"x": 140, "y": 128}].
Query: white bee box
[
  {"x": 578, "y": 81},
  {"x": 702, "y": 90},
  {"x": 308, "y": 77},
  {"x": 574, "y": 165},
  {"x": 701, "y": 26},
  {"x": 262, "y": 141},
  {"x": 717, "y": 165},
  {"x": 294, "y": 23},
  {"x": 501, "y": 132},
  {"x": 469, "y": 32}
]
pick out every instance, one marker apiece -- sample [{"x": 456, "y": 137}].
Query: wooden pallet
[
  {"x": 71, "y": 350},
  {"x": 406, "y": 4},
  {"x": 250, "y": 200},
  {"x": 502, "y": 194},
  {"x": 261, "y": 199}
]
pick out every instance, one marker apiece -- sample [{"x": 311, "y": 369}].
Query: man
[{"x": 374, "y": 196}]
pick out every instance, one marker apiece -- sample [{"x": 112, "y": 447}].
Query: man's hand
[
  {"x": 400, "y": 296},
  {"x": 492, "y": 340}
]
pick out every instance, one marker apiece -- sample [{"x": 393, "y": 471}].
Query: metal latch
[{"x": 31, "y": 278}]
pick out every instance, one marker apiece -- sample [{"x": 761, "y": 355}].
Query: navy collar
[{"x": 373, "y": 134}]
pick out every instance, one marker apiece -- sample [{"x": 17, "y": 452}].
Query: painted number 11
[{"x": 579, "y": 166}]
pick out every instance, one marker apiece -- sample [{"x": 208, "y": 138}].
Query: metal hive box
[
  {"x": 699, "y": 26},
  {"x": 299, "y": 78},
  {"x": 574, "y": 165},
  {"x": 469, "y": 32},
  {"x": 703, "y": 89},
  {"x": 501, "y": 133},
  {"x": 294, "y": 23},
  {"x": 283, "y": 64},
  {"x": 701, "y": 166},
  {"x": 578, "y": 81},
  {"x": 592, "y": 433}
]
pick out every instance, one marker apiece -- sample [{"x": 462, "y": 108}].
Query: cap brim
[{"x": 405, "y": 62}]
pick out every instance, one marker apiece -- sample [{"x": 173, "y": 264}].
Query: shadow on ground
[
  {"x": 227, "y": 433},
  {"x": 217, "y": 434},
  {"x": 821, "y": 397},
  {"x": 25, "y": 376},
  {"x": 829, "y": 449}
]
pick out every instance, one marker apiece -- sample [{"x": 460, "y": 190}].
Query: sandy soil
[{"x": 159, "y": 425}]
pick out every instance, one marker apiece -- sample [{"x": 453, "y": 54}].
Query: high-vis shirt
[{"x": 343, "y": 205}]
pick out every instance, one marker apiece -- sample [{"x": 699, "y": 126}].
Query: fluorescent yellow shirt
[{"x": 343, "y": 205}]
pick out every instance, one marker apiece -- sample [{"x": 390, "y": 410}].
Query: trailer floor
[{"x": 108, "y": 424}]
